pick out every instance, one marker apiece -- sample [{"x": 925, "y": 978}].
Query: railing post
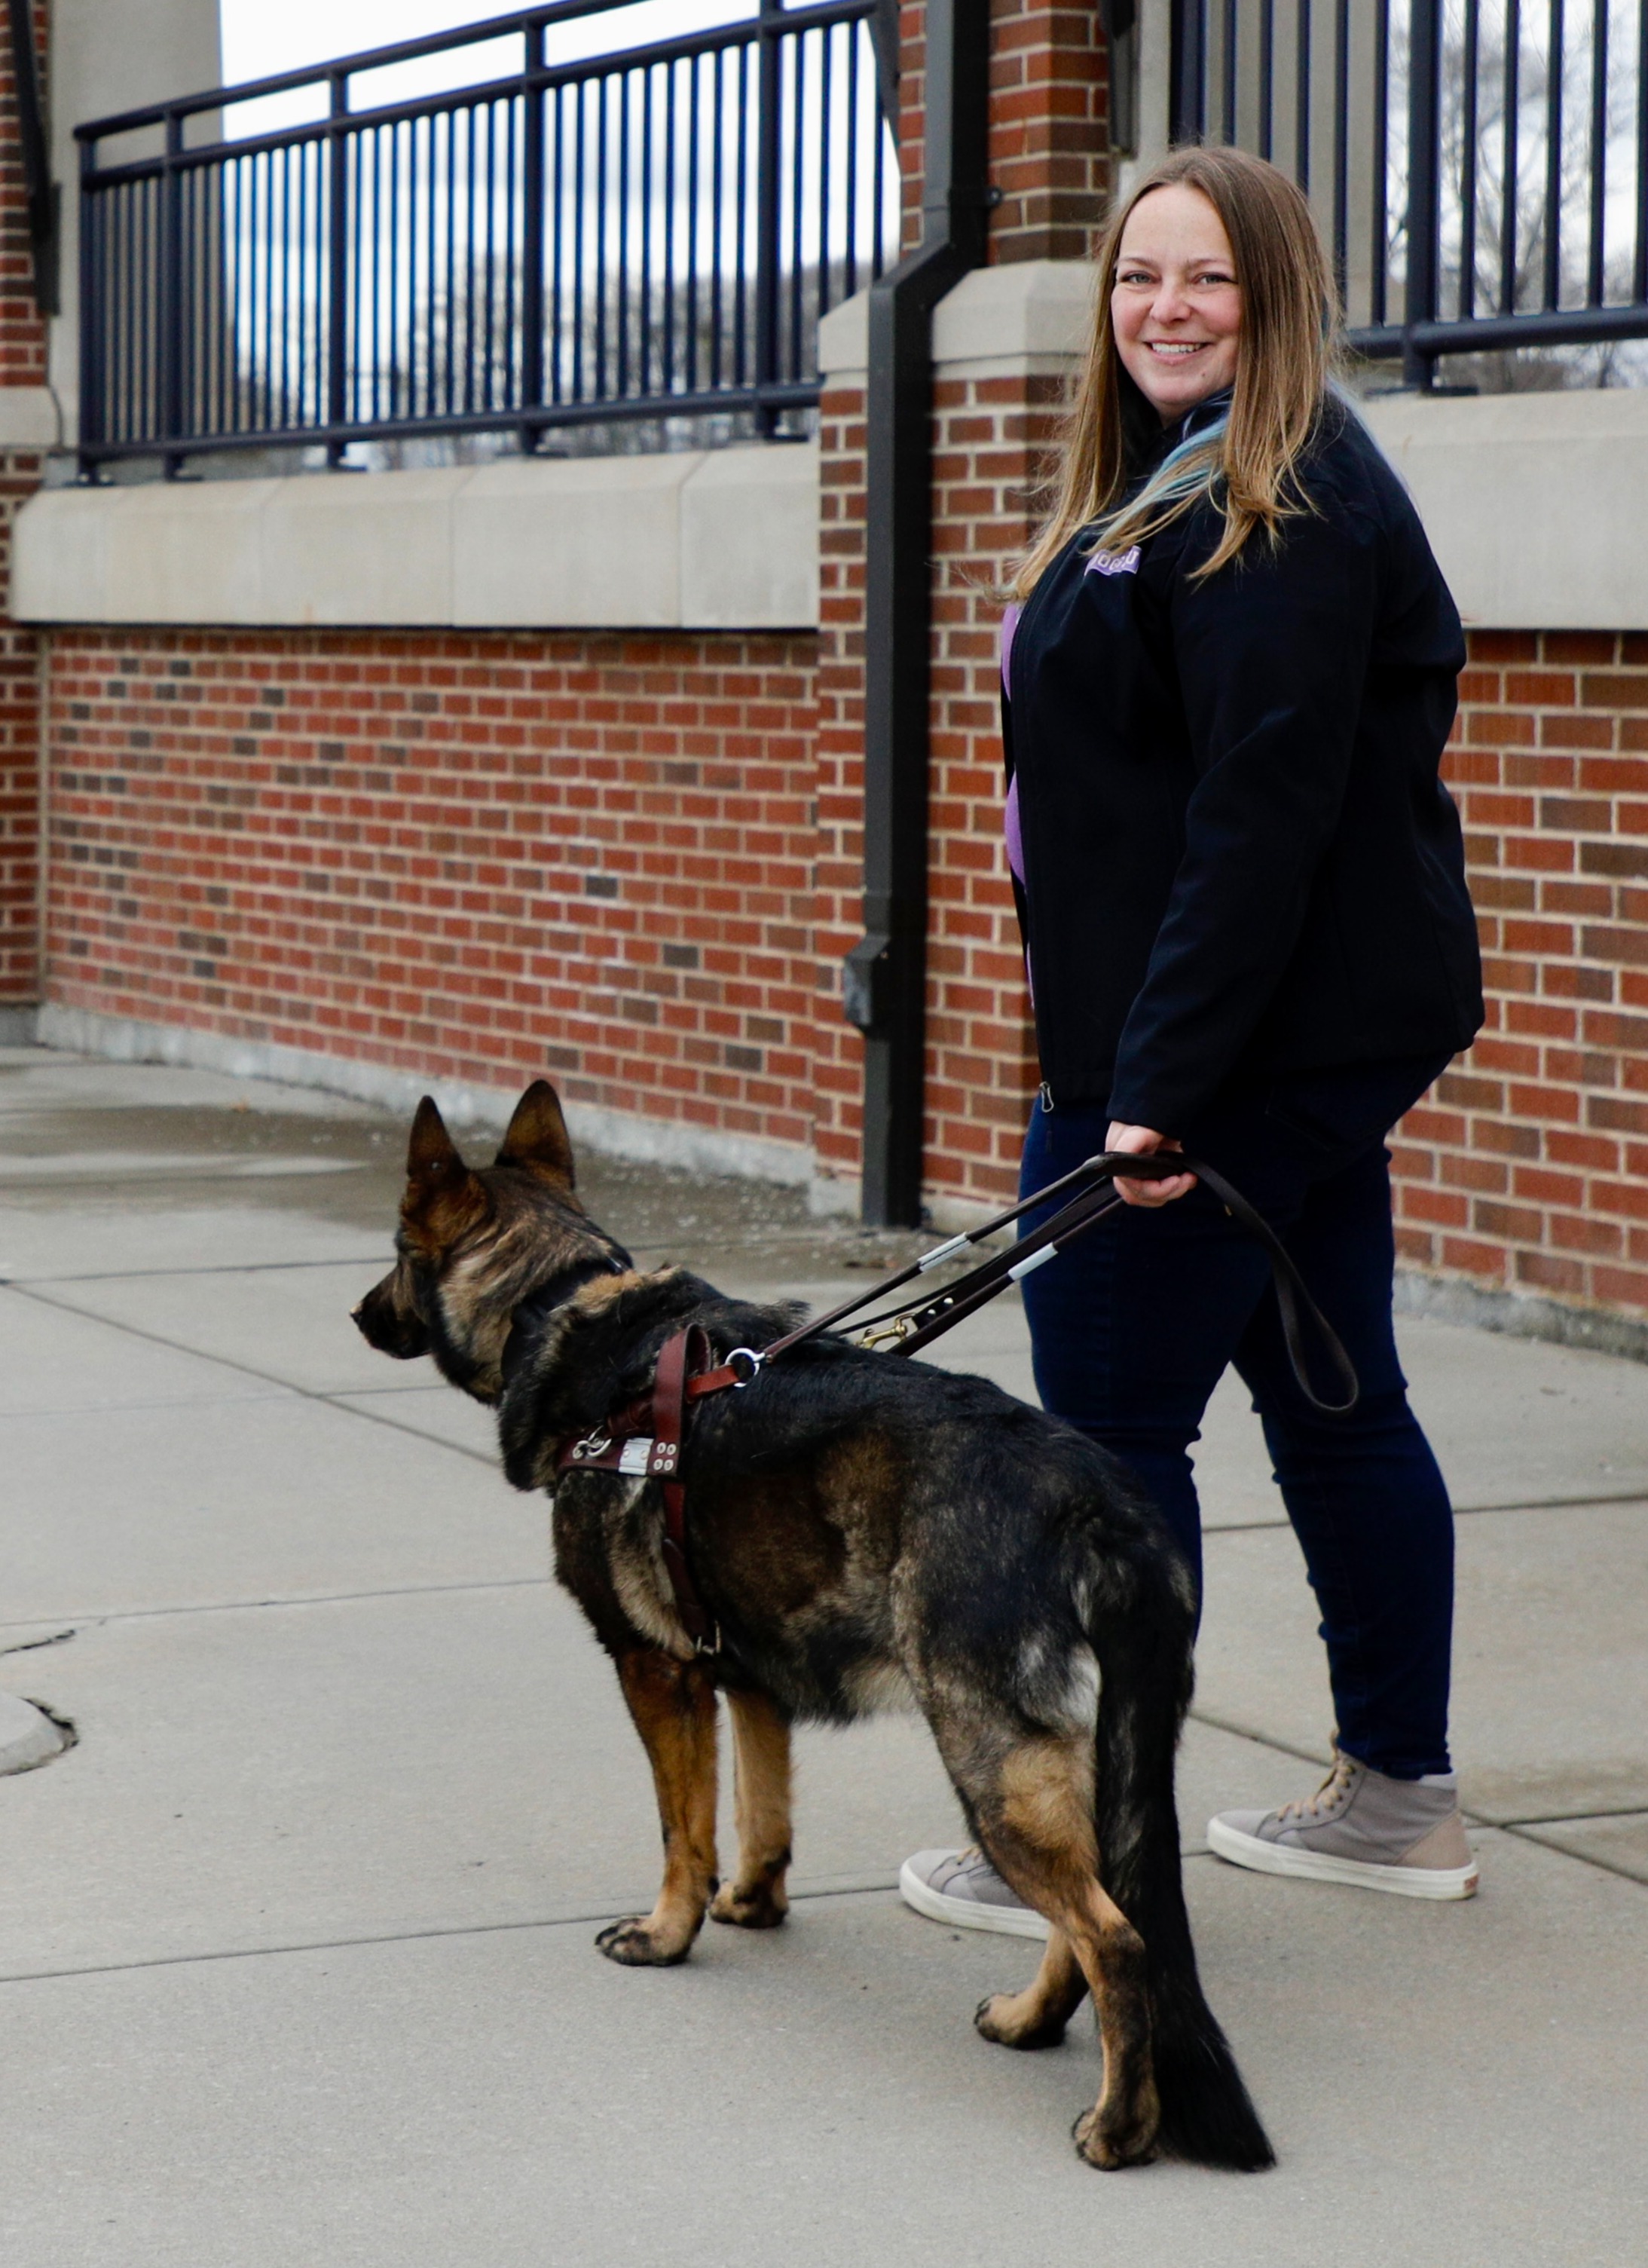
[
  {"x": 531, "y": 291},
  {"x": 1425, "y": 186},
  {"x": 170, "y": 297},
  {"x": 768, "y": 150},
  {"x": 337, "y": 267},
  {"x": 90, "y": 322},
  {"x": 1187, "y": 71}
]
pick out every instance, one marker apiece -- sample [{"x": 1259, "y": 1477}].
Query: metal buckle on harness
[
  {"x": 592, "y": 1445},
  {"x": 887, "y": 1334},
  {"x": 754, "y": 1357}
]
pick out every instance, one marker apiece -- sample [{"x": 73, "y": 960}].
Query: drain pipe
[{"x": 885, "y": 971}]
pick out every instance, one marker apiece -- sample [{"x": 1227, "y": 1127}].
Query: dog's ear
[
  {"x": 537, "y": 1136},
  {"x": 442, "y": 1196}
]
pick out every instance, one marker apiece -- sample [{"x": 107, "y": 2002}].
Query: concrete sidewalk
[{"x": 295, "y": 1946}]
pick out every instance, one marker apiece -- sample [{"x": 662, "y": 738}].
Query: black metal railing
[
  {"x": 1480, "y": 166},
  {"x": 650, "y": 231}
]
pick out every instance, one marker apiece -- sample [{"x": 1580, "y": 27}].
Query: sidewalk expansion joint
[
  {"x": 332, "y": 1399},
  {"x": 379, "y": 1260},
  {"x": 95, "y": 1618},
  {"x": 846, "y": 1887}
]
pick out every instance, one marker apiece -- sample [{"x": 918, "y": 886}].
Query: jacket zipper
[{"x": 1047, "y": 1096}]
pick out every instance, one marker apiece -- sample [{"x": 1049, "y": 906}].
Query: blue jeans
[{"x": 1132, "y": 1327}]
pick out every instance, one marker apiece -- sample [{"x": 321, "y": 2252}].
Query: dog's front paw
[
  {"x": 756, "y": 1905},
  {"x": 1112, "y": 2143},
  {"x": 1003, "y": 2019},
  {"x": 637, "y": 1943}
]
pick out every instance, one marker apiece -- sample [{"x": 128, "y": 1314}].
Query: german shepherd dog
[{"x": 864, "y": 1531}]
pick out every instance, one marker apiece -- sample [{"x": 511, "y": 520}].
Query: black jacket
[{"x": 1238, "y": 856}]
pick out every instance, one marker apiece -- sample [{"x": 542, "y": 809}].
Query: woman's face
[{"x": 1175, "y": 307}]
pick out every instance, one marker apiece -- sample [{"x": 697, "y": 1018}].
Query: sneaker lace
[{"x": 1327, "y": 1796}]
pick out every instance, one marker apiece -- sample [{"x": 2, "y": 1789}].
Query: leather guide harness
[{"x": 648, "y": 1437}]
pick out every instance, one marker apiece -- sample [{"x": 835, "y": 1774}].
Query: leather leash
[{"x": 684, "y": 1374}]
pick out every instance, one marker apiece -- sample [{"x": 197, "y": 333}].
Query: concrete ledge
[
  {"x": 706, "y": 539},
  {"x": 1030, "y": 316},
  {"x": 18, "y": 1026},
  {"x": 28, "y": 419},
  {"x": 1536, "y": 503},
  {"x": 1453, "y": 1300},
  {"x": 614, "y": 1133}
]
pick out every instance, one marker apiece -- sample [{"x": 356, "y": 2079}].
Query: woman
[{"x": 1242, "y": 890}]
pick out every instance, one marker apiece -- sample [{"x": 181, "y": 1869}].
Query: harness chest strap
[{"x": 622, "y": 1446}]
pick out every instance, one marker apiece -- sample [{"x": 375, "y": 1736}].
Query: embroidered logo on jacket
[{"x": 1114, "y": 562}]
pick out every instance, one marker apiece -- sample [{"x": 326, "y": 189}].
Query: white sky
[{"x": 264, "y": 37}]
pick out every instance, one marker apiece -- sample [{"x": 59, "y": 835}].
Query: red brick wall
[
  {"x": 1526, "y": 1171},
  {"x": 636, "y": 861},
  {"x": 473, "y": 855}
]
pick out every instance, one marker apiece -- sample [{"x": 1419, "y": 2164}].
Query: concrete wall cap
[
  {"x": 1028, "y": 307},
  {"x": 1534, "y": 503},
  {"x": 843, "y": 337},
  {"x": 28, "y": 417},
  {"x": 557, "y": 476},
  {"x": 708, "y": 540},
  {"x": 1444, "y": 422}
]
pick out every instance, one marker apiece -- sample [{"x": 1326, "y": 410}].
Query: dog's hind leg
[
  {"x": 674, "y": 1705},
  {"x": 761, "y": 1784},
  {"x": 1032, "y": 1807},
  {"x": 1036, "y": 2017}
]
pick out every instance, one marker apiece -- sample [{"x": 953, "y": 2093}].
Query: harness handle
[{"x": 931, "y": 1318}]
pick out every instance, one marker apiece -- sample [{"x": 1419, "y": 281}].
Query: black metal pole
[
  {"x": 1187, "y": 71},
  {"x": 769, "y": 217},
  {"x": 532, "y": 191},
  {"x": 171, "y": 299},
  {"x": 92, "y": 420},
  {"x": 1425, "y": 185},
  {"x": 886, "y": 970},
  {"x": 337, "y": 266}
]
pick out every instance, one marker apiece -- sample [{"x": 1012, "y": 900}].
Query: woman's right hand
[{"x": 1144, "y": 1142}]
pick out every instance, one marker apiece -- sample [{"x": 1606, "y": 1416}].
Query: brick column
[
  {"x": 1049, "y": 133},
  {"x": 1005, "y": 343},
  {"x": 20, "y": 471},
  {"x": 1049, "y": 129},
  {"x": 22, "y": 373}
]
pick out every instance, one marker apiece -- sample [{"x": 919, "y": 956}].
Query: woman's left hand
[{"x": 1144, "y": 1142}]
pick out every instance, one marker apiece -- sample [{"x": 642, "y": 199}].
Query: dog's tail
[{"x": 1143, "y": 1641}]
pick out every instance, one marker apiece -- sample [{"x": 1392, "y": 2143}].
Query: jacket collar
[{"x": 1201, "y": 415}]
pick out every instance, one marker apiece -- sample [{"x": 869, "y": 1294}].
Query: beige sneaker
[
  {"x": 1360, "y": 1827},
  {"x": 963, "y": 1889}
]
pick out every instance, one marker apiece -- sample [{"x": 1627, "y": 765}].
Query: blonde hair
[{"x": 1289, "y": 342}]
